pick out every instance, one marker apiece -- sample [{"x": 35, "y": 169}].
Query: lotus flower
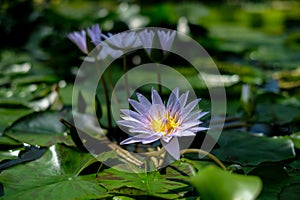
[
  {"x": 166, "y": 39},
  {"x": 124, "y": 40},
  {"x": 95, "y": 34},
  {"x": 79, "y": 38},
  {"x": 146, "y": 37},
  {"x": 153, "y": 120}
]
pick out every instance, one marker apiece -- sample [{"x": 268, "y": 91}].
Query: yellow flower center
[{"x": 165, "y": 124}]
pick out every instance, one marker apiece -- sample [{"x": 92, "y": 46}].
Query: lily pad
[
  {"x": 274, "y": 178},
  {"x": 8, "y": 116},
  {"x": 41, "y": 128},
  {"x": 290, "y": 192},
  {"x": 246, "y": 149},
  {"x": 53, "y": 176},
  {"x": 213, "y": 183},
  {"x": 137, "y": 184}
]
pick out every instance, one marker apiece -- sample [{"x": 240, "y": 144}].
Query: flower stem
[
  {"x": 107, "y": 101},
  {"x": 203, "y": 152},
  {"x": 125, "y": 76},
  {"x": 111, "y": 87},
  {"x": 158, "y": 79}
]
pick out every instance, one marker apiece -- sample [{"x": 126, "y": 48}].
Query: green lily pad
[
  {"x": 277, "y": 113},
  {"x": 138, "y": 184},
  {"x": 8, "y": 116},
  {"x": 274, "y": 178},
  {"x": 7, "y": 142},
  {"x": 290, "y": 192},
  {"x": 41, "y": 128},
  {"x": 8, "y": 154},
  {"x": 246, "y": 149},
  {"x": 213, "y": 183},
  {"x": 53, "y": 176}
]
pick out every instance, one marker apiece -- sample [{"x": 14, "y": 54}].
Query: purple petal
[
  {"x": 186, "y": 111},
  {"x": 183, "y": 98},
  {"x": 132, "y": 114},
  {"x": 194, "y": 116},
  {"x": 157, "y": 111},
  {"x": 166, "y": 39},
  {"x": 143, "y": 100},
  {"x": 134, "y": 139},
  {"x": 156, "y": 98},
  {"x": 140, "y": 130},
  {"x": 130, "y": 124},
  {"x": 146, "y": 37},
  {"x": 79, "y": 38},
  {"x": 95, "y": 34},
  {"x": 190, "y": 124},
  {"x": 150, "y": 139},
  {"x": 139, "y": 107},
  {"x": 186, "y": 133},
  {"x": 173, "y": 104},
  {"x": 172, "y": 147},
  {"x": 198, "y": 129}
]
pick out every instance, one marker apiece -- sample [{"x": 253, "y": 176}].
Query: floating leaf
[
  {"x": 29, "y": 154},
  {"x": 274, "y": 177},
  {"x": 290, "y": 192},
  {"x": 151, "y": 183},
  {"x": 53, "y": 176},
  {"x": 276, "y": 113},
  {"x": 8, "y": 155},
  {"x": 8, "y": 116},
  {"x": 246, "y": 149},
  {"x": 41, "y": 128},
  {"x": 214, "y": 184}
]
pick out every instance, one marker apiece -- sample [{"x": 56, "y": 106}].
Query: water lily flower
[
  {"x": 95, "y": 34},
  {"x": 152, "y": 121},
  {"x": 108, "y": 51},
  {"x": 146, "y": 37},
  {"x": 79, "y": 38},
  {"x": 124, "y": 40},
  {"x": 166, "y": 39}
]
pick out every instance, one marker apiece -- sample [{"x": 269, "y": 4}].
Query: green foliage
[
  {"x": 54, "y": 176},
  {"x": 213, "y": 183},
  {"x": 246, "y": 149},
  {"x": 40, "y": 128}
]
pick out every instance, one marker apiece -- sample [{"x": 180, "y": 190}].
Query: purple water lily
[
  {"x": 95, "y": 34},
  {"x": 153, "y": 120},
  {"x": 79, "y": 38},
  {"x": 166, "y": 39},
  {"x": 124, "y": 40},
  {"x": 146, "y": 37}
]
